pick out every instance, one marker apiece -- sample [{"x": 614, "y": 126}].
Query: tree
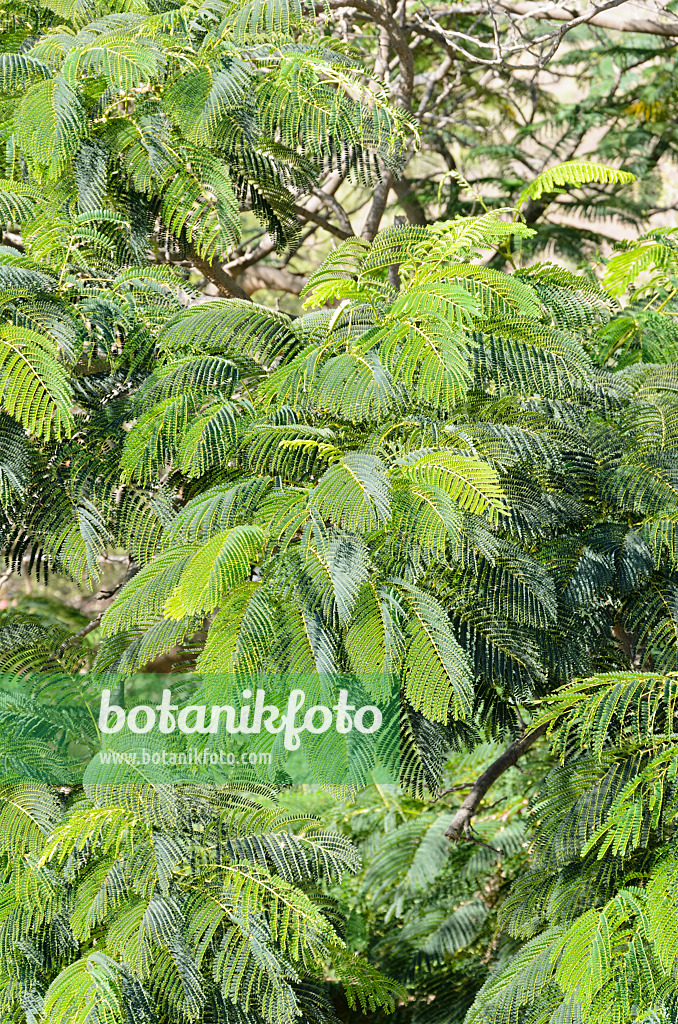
[
  {"x": 101, "y": 872},
  {"x": 133, "y": 124},
  {"x": 485, "y": 107},
  {"x": 106, "y": 160},
  {"x": 400, "y": 519},
  {"x": 501, "y": 92},
  {"x": 565, "y": 901},
  {"x": 447, "y": 473},
  {"x": 141, "y": 900},
  {"x": 421, "y": 909},
  {"x": 598, "y": 907}
]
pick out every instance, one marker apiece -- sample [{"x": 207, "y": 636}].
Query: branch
[
  {"x": 408, "y": 202},
  {"x": 585, "y": 18},
  {"x": 378, "y": 206},
  {"x": 263, "y": 276},
  {"x": 214, "y": 272},
  {"x": 398, "y": 40},
  {"x": 132, "y": 570},
  {"x": 248, "y": 258},
  {"x": 645, "y": 25},
  {"x": 534, "y": 209},
  {"x": 402, "y": 93},
  {"x": 461, "y": 822},
  {"x": 322, "y": 222},
  {"x": 89, "y": 628},
  {"x": 556, "y": 13},
  {"x": 12, "y": 240},
  {"x": 444, "y": 39},
  {"x": 336, "y": 207}
]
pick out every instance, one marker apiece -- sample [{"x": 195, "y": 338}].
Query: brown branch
[
  {"x": 15, "y": 241},
  {"x": 337, "y": 209},
  {"x": 263, "y": 276},
  {"x": 408, "y": 202},
  {"x": 461, "y": 822},
  {"x": 322, "y": 222},
  {"x": 240, "y": 263},
  {"x": 402, "y": 94},
  {"x": 377, "y": 14},
  {"x": 446, "y": 42},
  {"x": 214, "y": 272},
  {"x": 378, "y": 206},
  {"x": 643, "y": 25},
  {"x": 132, "y": 570},
  {"x": 533, "y": 210},
  {"x": 460, "y": 787},
  {"x": 89, "y": 628}
]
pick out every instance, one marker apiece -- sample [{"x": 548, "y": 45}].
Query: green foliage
[
  {"x": 408, "y": 523},
  {"x": 600, "y": 895},
  {"x": 105, "y": 102},
  {"x": 572, "y": 173},
  {"x": 423, "y": 910},
  {"x": 456, "y": 477},
  {"x": 123, "y": 898},
  {"x": 158, "y": 902},
  {"x": 104, "y": 158},
  {"x": 436, "y": 482}
]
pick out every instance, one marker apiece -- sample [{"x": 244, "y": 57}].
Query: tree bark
[
  {"x": 461, "y": 822},
  {"x": 378, "y": 207},
  {"x": 408, "y": 202},
  {"x": 381, "y": 17},
  {"x": 214, "y": 272}
]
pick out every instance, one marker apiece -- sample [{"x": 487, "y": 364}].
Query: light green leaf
[{"x": 215, "y": 569}]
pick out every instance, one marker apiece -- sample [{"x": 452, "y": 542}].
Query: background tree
[
  {"x": 502, "y": 91},
  {"x": 127, "y": 897},
  {"x": 498, "y": 94},
  {"x": 422, "y": 909}
]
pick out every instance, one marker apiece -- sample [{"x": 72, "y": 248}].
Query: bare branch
[
  {"x": 249, "y": 258},
  {"x": 461, "y": 822},
  {"x": 378, "y": 206},
  {"x": 337, "y": 209},
  {"x": 263, "y": 276},
  {"x": 556, "y": 12},
  {"x": 403, "y": 89},
  {"x": 322, "y": 222},
  {"x": 644, "y": 25},
  {"x": 132, "y": 570},
  {"x": 587, "y": 16}
]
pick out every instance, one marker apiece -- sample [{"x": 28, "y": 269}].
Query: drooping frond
[
  {"x": 647, "y": 254},
  {"x": 572, "y": 173},
  {"x": 436, "y": 670},
  {"x": 471, "y": 484},
  {"x": 353, "y": 493},
  {"x": 214, "y": 568},
  {"x": 51, "y": 123},
  {"x": 34, "y": 384},
  {"x": 233, "y": 327}
]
